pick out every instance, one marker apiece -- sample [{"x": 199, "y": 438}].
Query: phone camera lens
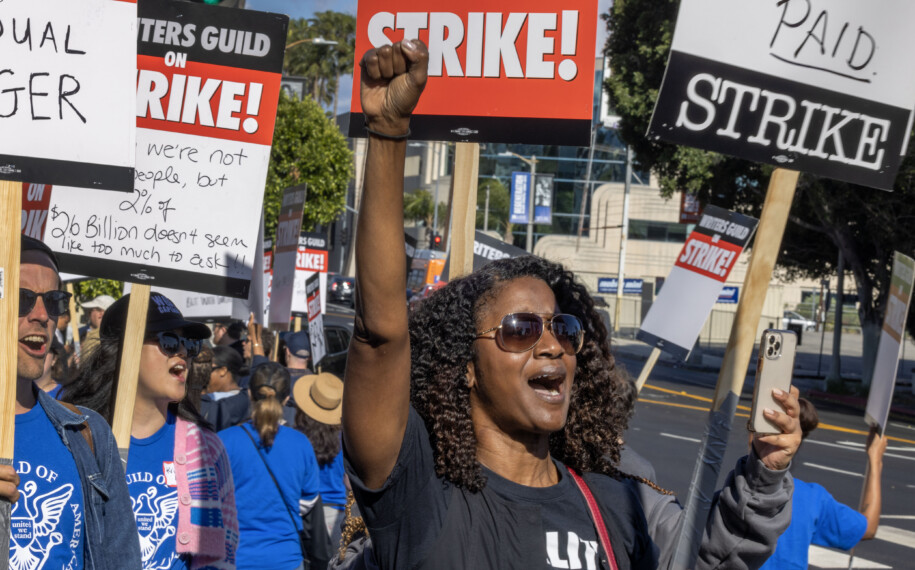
[
  {"x": 770, "y": 351},
  {"x": 778, "y": 346},
  {"x": 771, "y": 340}
]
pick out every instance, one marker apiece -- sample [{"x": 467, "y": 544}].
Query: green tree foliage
[
  {"x": 498, "y": 204},
  {"x": 322, "y": 65},
  {"x": 92, "y": 288},
  {"x": 307, "y": 148},
  {"x": 827, "y": 217},
  {"x": 418, "y": 206}
]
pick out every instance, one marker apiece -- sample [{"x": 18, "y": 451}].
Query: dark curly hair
[{"x": 442, "y": 332}]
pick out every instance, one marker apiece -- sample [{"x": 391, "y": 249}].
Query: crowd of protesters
[{"x": 481, "y": 428}]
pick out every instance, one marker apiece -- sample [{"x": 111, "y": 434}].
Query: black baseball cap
[
  {"x": 32, "y": 244},
  {"x": 163, "y": 315}
]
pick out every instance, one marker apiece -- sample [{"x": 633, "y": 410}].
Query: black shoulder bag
[{"x": 313, "y": 538}]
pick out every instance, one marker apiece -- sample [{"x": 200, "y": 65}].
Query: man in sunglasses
[{"x": 72, "y": 508}]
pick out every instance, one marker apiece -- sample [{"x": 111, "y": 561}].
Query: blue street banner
[
  {"x": 729, "y": 295},
  {"x": 521, "y": 182},
  {"x": 543, "y": 199},
  {"x": 610, "y": 284}
]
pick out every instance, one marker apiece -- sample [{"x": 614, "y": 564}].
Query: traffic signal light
[{"x": 436, "y": 241}]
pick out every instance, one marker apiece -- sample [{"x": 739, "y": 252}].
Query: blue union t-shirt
[
  {"x": 154, "y": 496},
  {"x": 47, "y": 523}
]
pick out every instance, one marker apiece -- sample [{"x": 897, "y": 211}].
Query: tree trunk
[{"x": 509, "y": 238}]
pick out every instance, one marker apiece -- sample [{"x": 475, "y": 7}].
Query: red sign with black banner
[{"x": 519, "y": 73}]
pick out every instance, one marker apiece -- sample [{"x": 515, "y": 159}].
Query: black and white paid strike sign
[
  {"x": 207, "y": 86},
  {"x": 821, "y": 86},
  {"x": 67, "y": 92},
  {"x": 695, "y": 282}
]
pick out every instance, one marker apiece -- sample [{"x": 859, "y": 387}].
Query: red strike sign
[
  {"x": 206, "y": 100},
  {"x": 311, "y": 260},
  {"x": 704, "y": 255},
  {"x": 523, "y": 59}
]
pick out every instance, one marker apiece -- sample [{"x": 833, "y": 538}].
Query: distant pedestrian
[
  {"x": 319, "y": 398},
  {"x": 225, "y": 403},
  {"x": 817, "y": 518},
  {"x": 276, "y": 475}
]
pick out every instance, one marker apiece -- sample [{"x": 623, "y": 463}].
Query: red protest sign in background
[{"x": 522, "y": 74}]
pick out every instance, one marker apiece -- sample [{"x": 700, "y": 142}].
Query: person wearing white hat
[
  {"x": 319, "y": 399},
  {"x": 89, "y": 333}
]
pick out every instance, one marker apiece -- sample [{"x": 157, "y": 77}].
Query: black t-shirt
[{"x": 418, "y": 520}]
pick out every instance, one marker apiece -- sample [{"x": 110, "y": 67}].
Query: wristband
[{"x": 402, "y": 137}]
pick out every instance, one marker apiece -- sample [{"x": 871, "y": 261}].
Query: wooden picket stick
[
  {"x": 10, "y": 224},
  {"x": 464, "y": 208},
  {"x": 74, "y": 321},
  {"x": 297, "y": 324},
  {"x": 134, "y": 332},
  {"x": 733, "y": 372},
  {"x": 647, "y": 368}
]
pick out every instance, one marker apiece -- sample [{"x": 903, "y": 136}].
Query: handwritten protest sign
[
  {"x": 288, "y": 229},
  {"x": 691, "y": 290},
  {"x": 823, "y": 86},
  {"x": 207, "y": 90},
  {"x": 67, "y": 95},
  {"x": 886, "y": 365},
  {"x": 522, "y": 72},
  {"x": 311, "y": 259}
]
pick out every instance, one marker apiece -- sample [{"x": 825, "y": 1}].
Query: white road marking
[
  {"x": 683, "y": 437},
  {"x": 901, "y": 517},
  {"x": 819, "y": 557},
  {"x": 895, "y": 535},
  {"x": 903, "y": 426},
  {"x": 888, "y": 447},
  {"x": 833, "y": 469},
  {"x": 847, "y": 448}
]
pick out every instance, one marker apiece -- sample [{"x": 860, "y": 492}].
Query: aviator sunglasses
[
  {"x": 171, "y": 344},
  {"x": 56, "y": 303},
  {"x": 520, "y": 332}
]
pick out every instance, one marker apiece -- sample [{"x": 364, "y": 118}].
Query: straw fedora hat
[{"x": 320, "y": 396}]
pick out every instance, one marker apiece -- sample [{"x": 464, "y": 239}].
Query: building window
[{"x": 650, "y": 230}]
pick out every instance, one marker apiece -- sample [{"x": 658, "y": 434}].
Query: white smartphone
[{"x": 774, "y": 369}]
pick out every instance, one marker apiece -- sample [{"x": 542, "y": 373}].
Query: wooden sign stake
[
  {"x": 10, "y": 225},
  {"x": 733, "y": 372},
  {"x": 74, "y": 320},
  {"x": 464, "y": 208},
  {"x": 647, "y": 368},
  {"x": 126, "y": 397}
]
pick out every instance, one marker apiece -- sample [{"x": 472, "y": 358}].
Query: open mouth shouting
[
  {"x": 179, "y": 371},
  {"x": 35, "y": 344},
  {"x": 549, "y": 385}
]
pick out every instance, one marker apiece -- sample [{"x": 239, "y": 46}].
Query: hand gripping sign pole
[
  {"x": 731, "y": 378},
  {"x": 11, "y": 196},
  {"x": 130, "y": 367},
  {"x": 464, "y": 211}
]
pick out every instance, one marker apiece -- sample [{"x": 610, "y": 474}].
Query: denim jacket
[{"x": 111, "y": 539}]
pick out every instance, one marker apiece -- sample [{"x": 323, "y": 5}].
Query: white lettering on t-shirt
[{"x": 579, "y": 553}]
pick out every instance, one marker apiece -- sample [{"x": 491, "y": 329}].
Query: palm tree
[{"x": 322, "y": 64}]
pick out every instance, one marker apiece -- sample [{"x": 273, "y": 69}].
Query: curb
[{"x": 857, "y": 403}]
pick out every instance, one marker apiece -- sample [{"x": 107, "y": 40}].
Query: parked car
[
  {"x": 794, "y": 321},
  {"x": 337, "y": 335},
  {"x": 340, "y": 289}
]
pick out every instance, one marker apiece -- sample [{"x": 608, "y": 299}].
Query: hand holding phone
[{"x": 774, "y": 369}]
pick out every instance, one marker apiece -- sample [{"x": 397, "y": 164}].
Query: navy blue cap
[{"x": 298, "y": 344}]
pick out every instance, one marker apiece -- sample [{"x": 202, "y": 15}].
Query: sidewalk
[{"x": 708, "y": 359}]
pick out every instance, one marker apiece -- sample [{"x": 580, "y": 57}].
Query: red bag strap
[{"x": 596, "y": 517}]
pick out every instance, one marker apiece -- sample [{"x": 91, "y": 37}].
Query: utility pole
[
  {"x": 530, "y": 204},
  {"x": 486, "y": 211},
  {"x": 624, "y": 231}
]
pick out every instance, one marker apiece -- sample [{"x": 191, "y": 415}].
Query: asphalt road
[{"x": 669, "y": 424}]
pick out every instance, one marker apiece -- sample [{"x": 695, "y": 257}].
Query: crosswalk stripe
[
  {"x": 683, "y": 437},
  {"x": 819, "y": 557},
  {"x": 847, "y": 448},
  {"x": 833, "y": 469},
  {"x": 895, "y": 535}
]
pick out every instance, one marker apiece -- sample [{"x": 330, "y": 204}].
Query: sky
[{"x": 306, "y": 8}]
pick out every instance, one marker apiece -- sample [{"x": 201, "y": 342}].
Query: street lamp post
[
  {"x": 532, "y": 162},
  {"x": 318, "y": 41}
]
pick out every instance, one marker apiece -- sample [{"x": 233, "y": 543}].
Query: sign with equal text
[
  {"x": 695, "y": 282},
  {"x": 821, "y": 86},
  {"x": 68, "y": 92},
  {"x": 206, "y": 97},
  {"x": 519, "y": 72}
]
